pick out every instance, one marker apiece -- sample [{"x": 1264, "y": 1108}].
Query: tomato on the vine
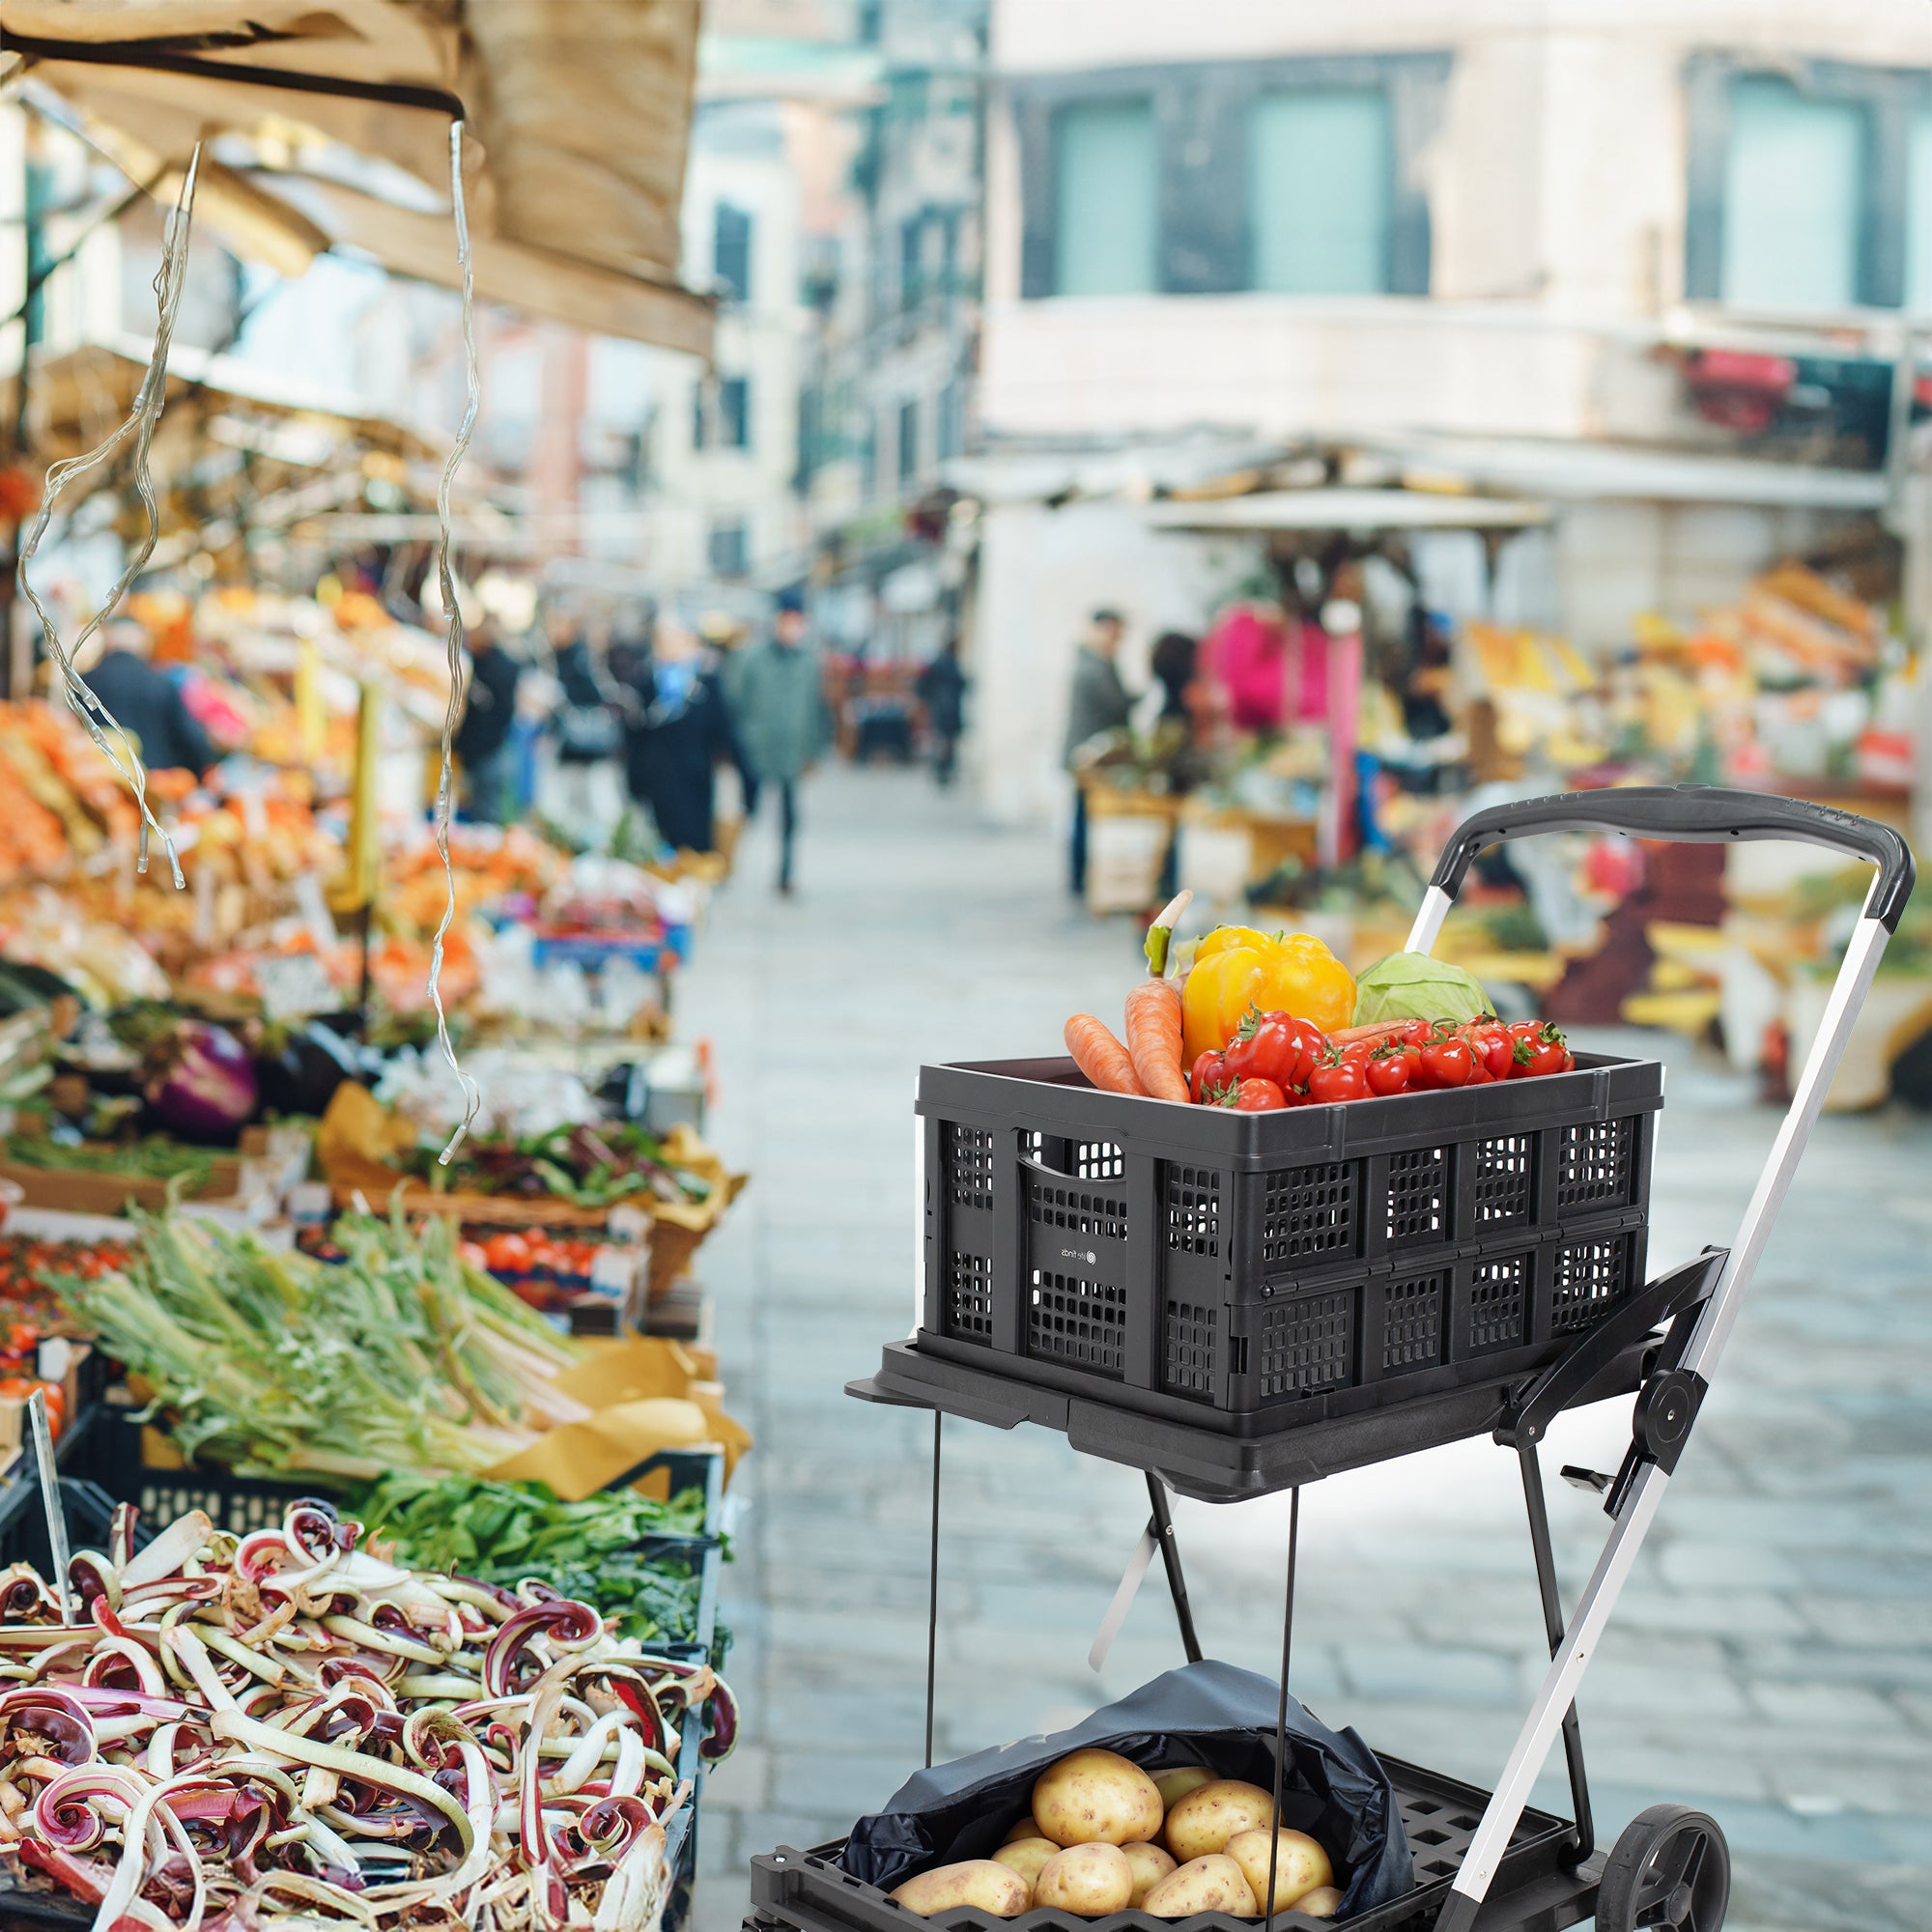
[{"x": 1210, "y": 1069}]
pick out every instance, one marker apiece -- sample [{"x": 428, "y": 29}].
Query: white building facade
[{"x": 1498, "y": 238}]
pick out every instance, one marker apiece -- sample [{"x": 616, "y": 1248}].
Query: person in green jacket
[{"x": 784, "y": 725}]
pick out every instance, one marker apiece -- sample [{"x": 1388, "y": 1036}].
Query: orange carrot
[
  {"x": 1100, "y": 1056},
  {"x": 1153, "y": 1039},
  {"x": 1381, "y": 1030}
]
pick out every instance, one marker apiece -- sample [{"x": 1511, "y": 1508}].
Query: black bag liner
[{"x": 1208, "y": 1714}]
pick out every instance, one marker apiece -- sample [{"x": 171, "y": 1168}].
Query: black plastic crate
[
  {"x": 111, "y": 1456},
  {"x": 1229, "y": 1269},
  {"x": 811, "y": 1890}
]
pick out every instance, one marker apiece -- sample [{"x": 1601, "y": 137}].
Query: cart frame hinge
[{"x": 1666, "y": 1406}]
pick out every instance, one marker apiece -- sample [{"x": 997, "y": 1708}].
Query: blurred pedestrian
[
  {"x": 587, "y": 730},
  {"x": 484, "y": 740},
  {"x": 146, "y": 702},
  {"x": 1172, "y": 661},
  {"x": 1099, "y": 703},
  {"x": 942, "y": 690},
  {"x": 674, "y": 745},
  {"x": 784, "y": 725}
]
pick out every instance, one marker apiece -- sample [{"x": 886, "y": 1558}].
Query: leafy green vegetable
[
  {"x": 1411, "y": 987},
  {"x": 270, "y": 1363},
  {"x": 503, "y": 1532},
  {"x": 154, "y": 1156}
]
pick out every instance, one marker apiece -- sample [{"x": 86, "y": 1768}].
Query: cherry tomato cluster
[
  {"x": 513, "y": 1255},
  {"x": 1275, "y": 1060}
]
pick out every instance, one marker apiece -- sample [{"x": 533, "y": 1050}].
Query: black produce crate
[
  {"x": 112, "y": 1458},
  {"x": 1248, "y": 1272},
  {"x": 811, "y": 1892}
]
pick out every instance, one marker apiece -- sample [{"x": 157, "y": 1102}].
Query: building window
[
  {"x": 912, "y": 262},
  {"x": 734, "y": 413},
  {"x": 1793, "y": 197},
  {"x": 1320, "y": 191},
  {"x": 1106, "y": 198},
  {"x": 728, "y": 548},
  {"x": 908, "y": 442},
  {"x": 1918, "y": 215},
  {"x": 731, "y": 253},
  {"x": 952, "y": 420}
]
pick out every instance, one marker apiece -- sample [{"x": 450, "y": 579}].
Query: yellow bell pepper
[{"x": 1235, "y": 968}]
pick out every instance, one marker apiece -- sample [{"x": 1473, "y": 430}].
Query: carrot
[
  {"x": 1153, "y": 1039},
  {"x": 1381, "y": 1030},
  {"x": 1100, "y": 1056}
]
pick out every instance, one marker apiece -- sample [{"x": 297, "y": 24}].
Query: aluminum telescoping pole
[{"x": 1639, "y": 1507}]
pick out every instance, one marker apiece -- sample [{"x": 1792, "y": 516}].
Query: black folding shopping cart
[{"x": 1240, "y": 1304}]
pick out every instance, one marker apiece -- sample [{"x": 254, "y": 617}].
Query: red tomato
[
  {"x": 1275, "y": 1046},
  {"x": 1387, "y": 1072},
  {"x": 1538, "y": 1051},
  {"x": 1210, "y": 1069},
  {"x": 1447, "y": 1063},
  {"x": 1255, "y": 1095},
  {"x": 1493, "y": 1049},
  {"x": 1337, "y": 1079}
]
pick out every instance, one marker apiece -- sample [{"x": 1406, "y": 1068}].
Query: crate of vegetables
[{"x": 1353, "y": 1197}]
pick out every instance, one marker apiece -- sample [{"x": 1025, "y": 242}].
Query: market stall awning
[
  {"x": 77, "y": 396},
  {"x": 330, "y": 126},
  {"x": 1346, "y": 509},
  {"x": 1578, "y": 472}
]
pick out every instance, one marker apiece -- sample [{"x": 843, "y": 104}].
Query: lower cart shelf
[{"x": 1534, "y": 1890}]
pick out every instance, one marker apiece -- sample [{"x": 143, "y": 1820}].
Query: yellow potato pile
[{"x": 1104, "y": 1836}]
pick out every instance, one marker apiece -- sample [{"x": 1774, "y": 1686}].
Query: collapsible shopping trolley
[{"x": 1242, "y": 1303}]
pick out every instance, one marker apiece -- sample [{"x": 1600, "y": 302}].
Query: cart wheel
[{"x": 1672, "y": 1869}]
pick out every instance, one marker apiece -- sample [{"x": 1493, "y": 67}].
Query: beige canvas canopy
[{"x": 329, "y": 122}]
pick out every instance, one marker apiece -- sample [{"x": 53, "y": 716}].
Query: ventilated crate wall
[{"x": 1215, "y": 1287}]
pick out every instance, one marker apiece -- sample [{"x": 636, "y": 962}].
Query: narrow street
[{"x": 1771, "y": 1662}]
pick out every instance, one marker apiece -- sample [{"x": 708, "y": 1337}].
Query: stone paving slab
[{"x": 1771, "y": 1661}]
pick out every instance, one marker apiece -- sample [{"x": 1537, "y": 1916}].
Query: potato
[
  {"x": 975, "y": 1881},
  {"x": 1202, "y": 1820},
  {"x": 1097, "y": 1797},
  {"x": 1300, "y": 1865},
  {"x": 1179, "y": 1781},
  {"x": 1089, "y": 1880},
  {"x": 1213, "y": 1884},
  {"x": 1027, "y": 1828},
  {"x": 1322, "y": 1902},
  {"x": 1151, "y": 1866},
  {"x": 1025, "y": 1855}
]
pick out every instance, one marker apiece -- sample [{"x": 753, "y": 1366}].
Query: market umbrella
[{"x": 331, "y": 127}]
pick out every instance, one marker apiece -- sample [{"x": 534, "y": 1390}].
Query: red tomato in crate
[
  {"x": 1255, "y": 1095},
  {"x": 1446, "y": 1061},
  {"x": 1337, "y": 1079},
  {"x": 1210, "y": 1070},
  {"x": 1386, "y": 1073}
]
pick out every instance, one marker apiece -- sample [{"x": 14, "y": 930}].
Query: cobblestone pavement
[{"x": 1771, "y": 1661}]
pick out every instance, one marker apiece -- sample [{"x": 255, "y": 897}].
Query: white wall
[{"x": 1041, "y": 573}]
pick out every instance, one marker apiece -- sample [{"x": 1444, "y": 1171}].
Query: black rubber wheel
[{"x": 1671, "y": 1869}]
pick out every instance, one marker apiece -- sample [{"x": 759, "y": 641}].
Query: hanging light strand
[
  {"x": 137, "y": 433},
  {"x": 453, "y": 618}
]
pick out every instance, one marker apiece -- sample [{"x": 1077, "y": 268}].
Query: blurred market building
[{"x": 1651, "y": 278}]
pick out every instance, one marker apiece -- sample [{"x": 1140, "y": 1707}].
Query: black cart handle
[{"x": 1696, "y": 815}]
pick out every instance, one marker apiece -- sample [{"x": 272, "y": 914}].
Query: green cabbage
[{"x": 1411, "y": 987}]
